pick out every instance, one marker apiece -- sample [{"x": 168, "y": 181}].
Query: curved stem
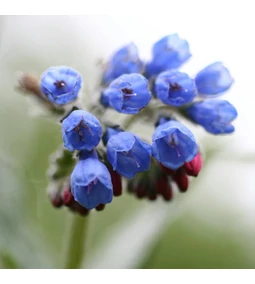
[{"x": 76, "y": 241}]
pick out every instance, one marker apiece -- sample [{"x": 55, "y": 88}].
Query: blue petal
[
  {"x": 124, "y": 61},
  {"x": 168, "y": 53},
  {"x": 91, "y": 183},
  {"x": 214, "y": 115},
  {"x": 81, "y": 131},
  {"x": 214, "y": 79},
  {"x": 128, "y": 93},
  {"x": 68, "y": 91},
  {"x": 109, "y": 132},
  {"x": 175, "y": 88},
  {"x": 122, "y": 142},
  {"x": 90, "y": 199},
  {"x": 128, "y": 154},
  {"x": 182, "y": 149}
]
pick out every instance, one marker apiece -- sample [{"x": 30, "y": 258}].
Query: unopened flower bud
[
  {"x": 167, "y": 171},
  {"x": 57, "y": 201},
  {"x": 116, "y": 181},
  {"x": 30, "y": 83},
  {"x": 140, "y": 191},
  {"x": 100, "y": 207},
  {"x": 163, "y": 186},
  {"x": 80, "y": 209},
  {"x": 67, "y": 196},
  {"x": 193, "y": 167},
  {"x": 181, "y": 180}
]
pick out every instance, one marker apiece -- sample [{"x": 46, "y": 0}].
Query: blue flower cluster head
[{"x": 127, "y": 87}]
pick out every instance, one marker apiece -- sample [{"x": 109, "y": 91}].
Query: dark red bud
[
  {"x": 67, "y": 196},
  {"x": 152, "y": 196},
  {"x": 168, "y": 193},
  {"x": 167, "y": 171},
  {"x": 193, "y": 167},
  {"x": 100, "y": 207},
  {"x": 116, "y": 182},
  {"x": 57, "y": 201},
  {"x": 166, "y": 188},
  {"x": 140, "y": 191},
  {"x": 161, "y": 183},
  {"x": 181, "y": 180},
  {"x": 80, "y": 209}
]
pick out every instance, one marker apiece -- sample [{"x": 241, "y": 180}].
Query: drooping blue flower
[
  {"x": 125, "y": 61},
  {"x": 214, "y": 115},
  {"x": 128, "y": 93},
  {"x": 175, "y": 88},
  {"x": 168, "y": 53},
  {"x": 128, "y": 154},
  {"x": 91, "y": 182},
  {"x": 104, "y": 99},
  {"x": 61, "y": 84},
  {"x": 81, "y": 131},
  {"x": 173, "y": 144},
  {"x": 109, "y": 132},
  {"x": 214, "y": 79},
  {"x": 162, "y": 119}
]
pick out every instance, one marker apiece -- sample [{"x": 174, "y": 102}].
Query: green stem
[{"x": 76, "y": 242}]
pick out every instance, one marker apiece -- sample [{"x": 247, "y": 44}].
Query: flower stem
[{"x": 76, "y": 241}]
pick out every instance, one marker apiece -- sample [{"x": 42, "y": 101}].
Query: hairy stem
[{"x": 76, "y": 241}]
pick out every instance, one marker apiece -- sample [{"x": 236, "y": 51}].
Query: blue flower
[
  {"x": 175, "y": 88},
  {"x": 173, "y": 144},
  {"x": 168, "y": 53},
  {"x": 91, "y": 182},
  {"x": 129, "y": 93},
  {"x": 213, "y": 79},
  {"x": 109, "y": 132},
  {"x": 61, "y": 84},
  {"x": 162, "y": 119},
  {"x": 214, "y": 115},
  {"x": 104, "y": 99},
  {"x": 125, "y": 61},
  {"x": 128, "y": 154},
  {"x": 81, "y": 131}
]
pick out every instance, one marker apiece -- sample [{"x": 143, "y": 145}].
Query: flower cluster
[{"x": 136, "y": 89}]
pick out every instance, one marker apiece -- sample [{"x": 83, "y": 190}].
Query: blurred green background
[{"x": 210, "y": 226}]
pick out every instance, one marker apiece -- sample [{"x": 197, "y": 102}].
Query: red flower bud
[
  {"x": 80, "y": 209},
  {"x": 116, "y": 181},
  {"x": 168, "y": 193},
  {"x": 100, "y": 207},
  {"x": 193, "y": 167},
  {"x": 167, "y": 171},
  {"x": 57, "y": 201},
  {"x": 67, "y": 196},
  {"x": 181, "y": 179},
  {"x": 140, "y": 191},
  {"x": 152, "y": 196}
]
